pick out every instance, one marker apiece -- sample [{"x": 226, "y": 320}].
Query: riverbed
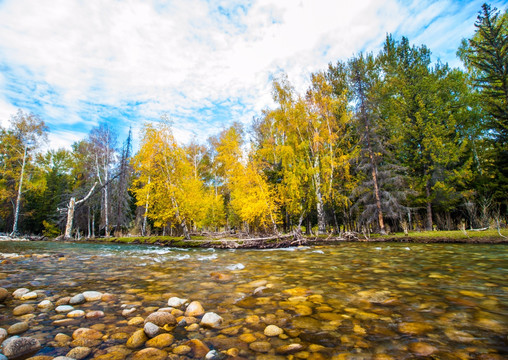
[{"x": 351, "y": 301}]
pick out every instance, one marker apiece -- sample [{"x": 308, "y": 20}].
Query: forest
[{"x": 379, "y": 143}]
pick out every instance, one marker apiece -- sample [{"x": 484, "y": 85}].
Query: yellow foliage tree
[
  {"x": 302, "y": 142},
  {"x": 166, "y": 184},
  {"x": 251, "y": 198}
]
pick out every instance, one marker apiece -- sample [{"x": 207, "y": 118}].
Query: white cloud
[
  {"x": 58, "y": 139},
  {"x": 183, "y": 56}
]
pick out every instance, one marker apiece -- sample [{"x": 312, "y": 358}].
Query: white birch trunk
[
  {"x": 18, "y": 198},
  {"x": 143, "y": 230}
]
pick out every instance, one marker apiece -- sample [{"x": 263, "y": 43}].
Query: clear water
[{"x": 357, "y": 300}]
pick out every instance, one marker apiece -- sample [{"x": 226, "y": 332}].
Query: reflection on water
[{"x": 359, "y": 301}]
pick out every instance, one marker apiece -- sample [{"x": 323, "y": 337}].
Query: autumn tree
[
  {"x": 166, "y": 180},
  {"x": 19, "y": 144},
  {"x": 304, "y": 140},
  {"x": 250, "y": 198}
]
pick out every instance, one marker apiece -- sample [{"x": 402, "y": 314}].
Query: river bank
[{"x": 289, "y": 240}]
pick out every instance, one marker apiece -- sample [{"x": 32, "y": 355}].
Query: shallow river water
[{"x": 353, "y": 301}]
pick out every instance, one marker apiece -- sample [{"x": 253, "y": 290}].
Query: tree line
[{"x": 378, "y": 143}]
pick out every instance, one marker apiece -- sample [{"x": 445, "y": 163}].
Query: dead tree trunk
[{"x": 71, "y": 208}]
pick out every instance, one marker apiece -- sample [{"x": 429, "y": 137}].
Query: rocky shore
[{"x": 267, "y": 305}]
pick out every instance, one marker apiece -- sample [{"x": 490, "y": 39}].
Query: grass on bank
[{"x": 443, "y": 234}]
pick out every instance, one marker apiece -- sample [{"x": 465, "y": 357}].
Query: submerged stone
[
  {"x": 195, "y": 309},
  {"x": 19, "y": 346}
]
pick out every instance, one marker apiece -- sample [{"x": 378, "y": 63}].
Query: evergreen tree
[{"x": 486, "y": 57}]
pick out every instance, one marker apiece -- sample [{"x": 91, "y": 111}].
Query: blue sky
[{"x": 203, "y": 63}]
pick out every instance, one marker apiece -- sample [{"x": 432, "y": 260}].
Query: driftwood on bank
[{"x": 270, "y": 242}]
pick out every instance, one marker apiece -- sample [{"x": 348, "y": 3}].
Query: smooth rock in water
[
  {"x": 199, "y": 348},
  {"x": 459, "y": 336},
  {"x": 63, "y": 358},
  {"x": 289, "y": 349},
  {"x": 3, "y": 335},
  {"x": 414, "y": 328},
  {"x": 92, "y": 295},
  {"x": 307, "y": 323},
  {"x": 150, "y": 354},
  {"x": 18, "y": 328},
  {"x": 65, "y": 322},
  {"x": 192, "y": 327},
  {"x": 62, "y": 338},
  {"x": 108, "y": 297},
  {"x": 176, "y": 302},
  {"x": 422, "y": 349},
  {"x": 127, "y": 312},
  {"x": 45, "y": 304},
  {"x": 76, "y": 313},
  {"x": 194, "y": 309},
  {"x": 160, "y": 341},
  {"x": 63, "y": 301},
  {"x": 87, "y": 333},
  {"x": 212, "y": 355},
  {"x": 138, "y": 320},
  {"x": 79, "y": 352},
  {"x": 23, "y": 309},
  {"x": 221, "y": 277},
  {"x": 182, "y": 350},
  {"x": 94, "y": 314},
  {"x": 18, "y": 346},
  {"x": 303, "y": 310},
  {"x": 273, "y": 330},
  {"x": 137, "y": 339},
  {"x": 260, "y": 346},
  {"x": 29, "y": 296},
  {"x": 4, "y": 294},
  {"x": 161, "y": 318},
  {"x": 64, "y": 308},
  {"x": 151, "y": 330},
  {"x": 474, "y": 294},
  {"x": 17, "y": 294},
  {"x": 212, "y": 320},
  {"x": 248, "y": 338},
  {"x": 257, "y": 283},
  {"x": 77, "y": 299}
]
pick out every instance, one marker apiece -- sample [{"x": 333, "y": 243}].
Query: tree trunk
[
  {"x": 18, "y": 198},
  {"x": 143, "y": 230},
  {"x": 106, "y": 202},
  {"x": 185, "y": 230},
  {"x": 319, "y": 199},
  {"x": 70, "y": 211},
  {"x": 70, "y": 217},
  {"x": 377, "y": 196},
  {"x": 429, "y": 207}
]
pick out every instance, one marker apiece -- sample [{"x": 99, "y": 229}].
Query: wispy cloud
[{"x": 204, "y": 63}]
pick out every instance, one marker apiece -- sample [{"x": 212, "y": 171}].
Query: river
[{"x": 352, "y": 301}]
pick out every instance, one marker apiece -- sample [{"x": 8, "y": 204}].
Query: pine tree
[{"x": 486, "y": 57}]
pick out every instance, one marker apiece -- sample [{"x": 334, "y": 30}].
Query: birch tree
[
  {"x": 103, "y": 141},
  {"x": 26, "y": 134},
  {"x": 304, "y": 141},
  {"x": 166, "y": 185}
]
